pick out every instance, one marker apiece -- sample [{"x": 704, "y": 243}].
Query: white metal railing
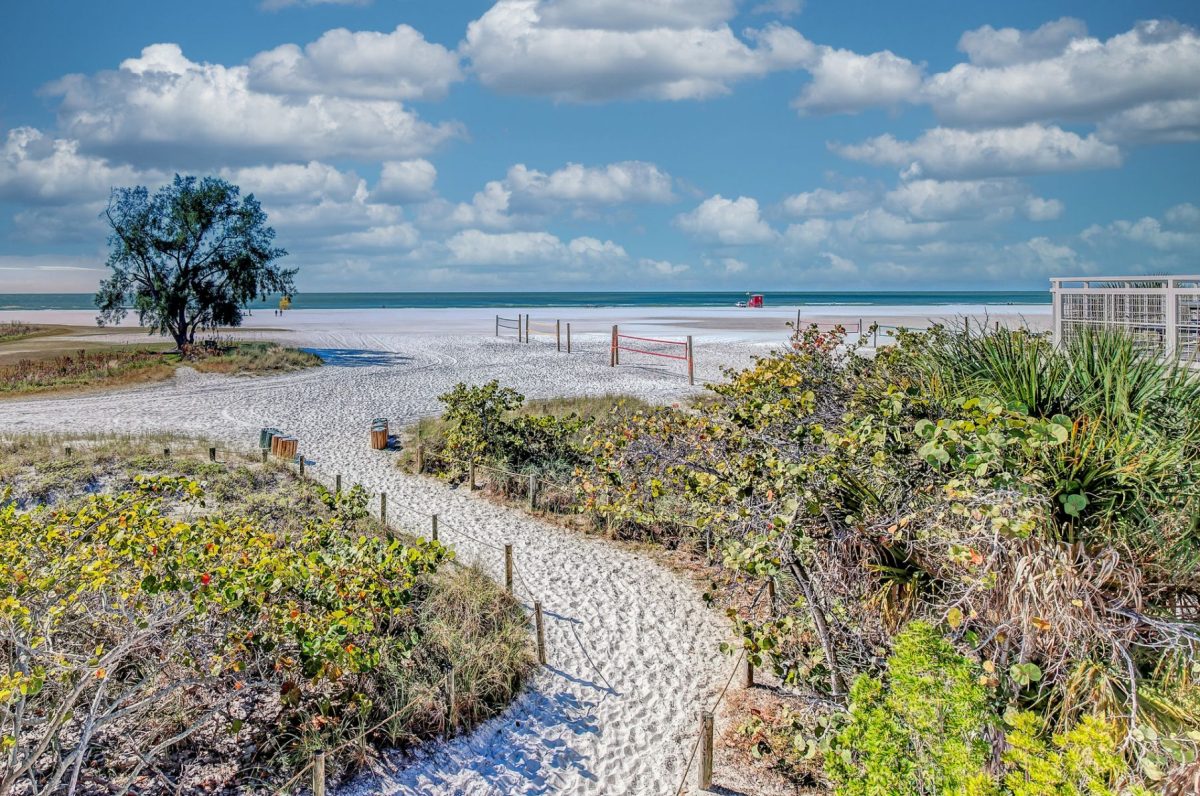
[{"x": 1161, "y": 312}]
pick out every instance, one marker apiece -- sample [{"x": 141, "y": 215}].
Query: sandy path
[{"x": 633, "y": 651}]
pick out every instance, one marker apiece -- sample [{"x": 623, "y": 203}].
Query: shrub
[
  {"x": 920, "y": 732},
  {"x": 1086, "y": 760}
]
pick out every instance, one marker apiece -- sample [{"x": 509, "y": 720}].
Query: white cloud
[
  {"x": 783, "y": 8},
  {"x": 585, "y": 50},
  {"x": 987, "y": 46},
  {"x": 997, "y": 199},
  {"x": 839, "y": 266},
  {"x": 1146, "y": 231},
  {"x": 732, "y": 222},
  {"x": 1090, "y": 79},
  {"x": 878, "y": 225},
  {"x": 35, "y": 168},
  {"x": 291, "y": 183},
  {"x": 475, "y": 247},
  {"x": 948, "y": 153},
  {"x": 400, "y": 65},
  {"x": 393, "y": 237},
  {"x": 823, "y": 202},
  {"x": 616, "y": 183},
  {"x": 807, "y": 234},
  {"x": 162, "y": 107},
  {"x": 405, "y": 181},
  {"x": 662, "y": 267},
  {"x": 488, "y": 208},
  {"x": 1184, "y": 215},
  {"x": 732, "y": 265},
  {"x": 847, "y": 82},
  {"x": 1171, "y": 121},
  {"x": 42, "y": 273}
]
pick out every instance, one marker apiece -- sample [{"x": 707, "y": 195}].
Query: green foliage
[
  {"x": 919, "y": 732},
  {"x": 475, "y": 416},
  {"x": 189, "y": 257},
  {"x": 1086, "y": 760}
]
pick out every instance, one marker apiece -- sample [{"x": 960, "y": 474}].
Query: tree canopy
[{"x": 189, "y": 257}]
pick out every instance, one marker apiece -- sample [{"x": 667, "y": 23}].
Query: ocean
[{"x": 337, "y": 301}]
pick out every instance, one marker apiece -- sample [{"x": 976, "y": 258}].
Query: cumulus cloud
[
  {"x": 585, "y": 50},
  {"x": 823, "y": 202},
  {"x": 987, "y": 46},
  {"x": 476, "y": 247},
  {"x": 782, "y": 8},
  {"x": 36, "y": 168},
  {"x": 1088, "y": 80},
  {"x": 291, "y": 183},
  {"x": 997, "y": 199},
  {"x": 1150, "y": 232},
  {"x": 945, "y": 152},
  {"x": 616, "y": 183},
  {"x": 847, "y": 82},
  {"x": 662, "y": 267},
  {"x": 1172, "y": 121},
  {"x": 405, "y": 181},
  {"x": 162, "y": 107},
  {"x": 400, "y": 65},
  {"x": 733, "y": 222}
]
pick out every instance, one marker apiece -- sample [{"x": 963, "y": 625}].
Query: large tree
[{"x": 188, "y": 257}]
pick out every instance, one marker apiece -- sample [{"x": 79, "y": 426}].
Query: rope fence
[{"x": 680, "y": 350}]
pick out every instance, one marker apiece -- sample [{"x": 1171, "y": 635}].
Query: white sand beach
[{"x": 633, "y": 649}]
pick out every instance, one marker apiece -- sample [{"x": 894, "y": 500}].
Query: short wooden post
[
  {"x": 67, "y": 450},
  {"x": 433, "y": 526},
  {"x": 797, "y": 319},
  {"x": 497, "y": 325},
  {"x": 318, "y": 774},
  {"x": 532, "y": 492},
  {"x": 508, "y": 567},
  {"x": 264, "y": 453},
  {"x": 860, "y": 325},
  {"x": 420, "y": 459},
  {"x": 691, "y": 362},
  {"x": 451, "y": 699},
  {"x": 301, "y": 455},
  {"x": 471, "y": 474},
  {"x": 558, "y": 335},
  {"x": 527, "y": 327},
  {"x": 997, "y": 327},
  {"x": 212, "y": 454},
  {"x": 613, "y": 356},
  {"x": 337, "y": 484},
  {"x": 167, "y": 452},
  {"x": 771, "y": 595},
  {"x": 706, "y": 750},
  {"x": 875, "y": 334},
  {"x": 568, "y": 337},
  {"x": 383, "y": 508},
  {"x": 747, "y": 672},
  {"x": 541, "y": 632}
]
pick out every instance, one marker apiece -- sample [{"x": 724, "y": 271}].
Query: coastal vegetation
[
  {"x": 54, "y": 370},
  {"x": 173, "y": 624},
  {"x": 985, "y": 548}
]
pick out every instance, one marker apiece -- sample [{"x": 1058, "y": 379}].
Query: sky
[{"x": 749, "y": 145}]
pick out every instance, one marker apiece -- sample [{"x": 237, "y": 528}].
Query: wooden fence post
[
  {"x": 613, "y": 357},
  {"x": 471, "y": 474},
  {"x": 568, "y": 337},
  {"x": 67, "y": 450},
  {"x": 541, "y": 632},
  {"x": 706, "y": 749},
  {"x": 212, "y": 454},
  {"x": 301, "y": 455},
  {"x": 383, "y": 508},
  {"x": 860, "y": 326},
  {"x": 452, "y": 697},
  {"x": 318, "y": 774},
  {"x": 747, "y": 672},
  {"x": 691, "y": 362},
  {"x": 532, "y": 492},
  {"x": 771, "y": 595},
  {"x": 797, "y": 319},
  {"x": 264, "y": 453},
  {"x": 558, "y": 335},
  {"x": 497, "y": 325},
  {"x": 167, "y": 452},
  {"x": 508, "y": 569},
  {"x": 420, "y": 459},
  {"x": 433, "y": 526},
  {"x": 527, "y": 327},
  {"x": 875, "y": 333},
  {"x": 337, "y": 484}
]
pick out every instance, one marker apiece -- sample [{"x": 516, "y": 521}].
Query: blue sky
[{"x": 619, "y": 144}]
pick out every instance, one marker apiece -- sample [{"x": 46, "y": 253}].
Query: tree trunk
[{"x": 800, "y": 575}]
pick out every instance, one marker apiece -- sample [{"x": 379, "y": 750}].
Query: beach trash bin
[
  {"x": 379, "y": 433},
  {"x": 265, "y": 435}
]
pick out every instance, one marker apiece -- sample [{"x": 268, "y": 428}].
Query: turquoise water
[{"x": 331, "y": 301}]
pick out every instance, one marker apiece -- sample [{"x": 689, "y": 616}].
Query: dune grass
[{"x": 57, "y": 370}]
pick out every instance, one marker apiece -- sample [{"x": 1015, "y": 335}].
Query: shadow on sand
[{"x": 357, "y": 358}]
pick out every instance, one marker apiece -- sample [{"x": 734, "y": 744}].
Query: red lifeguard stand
[{"x": 755, "y": 301}]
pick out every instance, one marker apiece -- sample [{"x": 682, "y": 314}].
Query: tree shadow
[{"x": 357, "y": 358}]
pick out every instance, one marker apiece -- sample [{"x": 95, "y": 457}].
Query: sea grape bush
[{"x": 117, "y": 613}]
